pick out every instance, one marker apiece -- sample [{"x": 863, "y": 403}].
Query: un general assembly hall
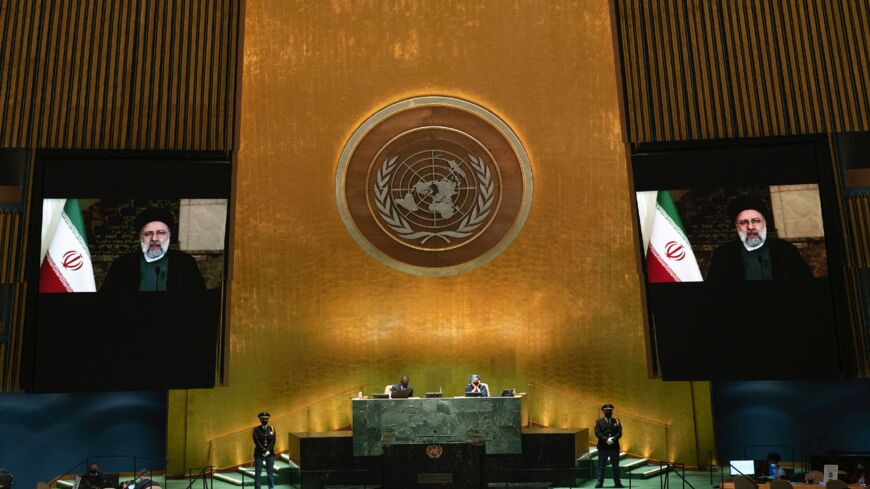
[{"x": 434, "y": 244}]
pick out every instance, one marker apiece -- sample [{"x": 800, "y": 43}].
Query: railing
[
  {"x": 671, "y": 467},
  {"x": 555, "y": 409},
  {"x": 328, "y": 414},
  {"x": 206, "y": 474},
  {"x": 134, "y": 466}
]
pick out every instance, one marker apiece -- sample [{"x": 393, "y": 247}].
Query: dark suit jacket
[
  {"x": 786, "y": 262},
  {"x": 264, "y": 440},
  {"x": 123, "y": 274},
  {"x": 604, "y": 430}
]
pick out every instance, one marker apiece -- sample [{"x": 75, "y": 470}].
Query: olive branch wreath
[{"x": 400, "y": 225}]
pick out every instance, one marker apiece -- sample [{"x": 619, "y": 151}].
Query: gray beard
[
  {"x": 753, "y": 242},
  {"x": 154, "y": 255}
]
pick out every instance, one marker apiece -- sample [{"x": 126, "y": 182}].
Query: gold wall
[{"x": 313, "y": 316}]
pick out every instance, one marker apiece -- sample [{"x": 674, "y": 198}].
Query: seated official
[
  {"x": 476, "y": 386},
  {"x": 140, "y": 482},
  {"x": 403, "y": 387},
  {"x": 861, "y": 474},
  {"x": 775, "y": 471}
]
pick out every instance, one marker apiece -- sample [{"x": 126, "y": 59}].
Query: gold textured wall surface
[{"x": 314, "y": 317}]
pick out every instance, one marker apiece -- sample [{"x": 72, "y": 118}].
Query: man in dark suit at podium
[{"x": 608, "y": 430}]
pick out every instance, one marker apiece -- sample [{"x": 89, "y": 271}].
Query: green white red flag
[
  {"x": 66, "y": 263},
  {"x": 669, "y": 256}
]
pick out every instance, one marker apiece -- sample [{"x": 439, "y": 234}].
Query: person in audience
[
  {"x": 142, "y": 481},
  {"x": 476, "y": 386},
  {"x": 264, "y": 450},
  {"x": 753, "y": 255},
  {"x": 93, "y": 469},
  {"x": 861, "y": 475},
  {"x": 775, "y": 470},
  {"x": 153, "y": 267},
  {"x": 608, "y": 430},
  {"x": 403, "y": 387}
]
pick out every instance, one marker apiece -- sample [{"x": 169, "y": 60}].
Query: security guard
[
  {"x": 608, "y": 430},
  {"x": 264, "y": 450}
]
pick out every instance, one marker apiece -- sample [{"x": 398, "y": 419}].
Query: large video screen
[
  {"x": 737, "y": 259},
  {"x": 129, "y": 256}
]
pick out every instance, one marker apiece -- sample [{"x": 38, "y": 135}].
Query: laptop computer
[
  {"x": 474, "y": 394},
  {"x": 400, "y": 394}
]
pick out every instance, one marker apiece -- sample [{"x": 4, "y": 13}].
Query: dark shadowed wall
[{"x": 43, "y": 435}]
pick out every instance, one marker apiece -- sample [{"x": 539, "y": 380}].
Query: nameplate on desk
[{"x": 435, "y": 478}]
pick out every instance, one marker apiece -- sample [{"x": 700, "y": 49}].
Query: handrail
[
  {"x": 648, "y": 437},
  {"x": 666, "y": 473},
  {"x": 333, "y": 412},
  {"x": 89, "y": 457},
  {"x": 202, "y": 474},
  {"x": 278, "y": 419},
  {"x": 597, "y": 405}
]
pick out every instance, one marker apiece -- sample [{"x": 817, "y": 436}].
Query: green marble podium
[{"x": 496, "y": 421}]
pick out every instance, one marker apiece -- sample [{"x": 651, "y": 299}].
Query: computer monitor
[
  {"x": 743, "y": 467},
  {"x": 400, "y": 394},
  {"x": 474, "y": 394}
]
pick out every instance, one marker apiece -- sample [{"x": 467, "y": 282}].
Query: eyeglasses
[
  {"x": 754, "y": 220},
  {"x": 160, "y": 234}
]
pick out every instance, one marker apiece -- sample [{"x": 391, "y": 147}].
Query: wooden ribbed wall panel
[
  {"x": 859, "y": 229},
  {"x": 11, "y": 253},
  {"x": 119, "y": 74},
  {"x": 699, "y": 69}
]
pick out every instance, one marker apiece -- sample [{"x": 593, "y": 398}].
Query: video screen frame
[
  {"x": 114, "y": 174},
  {"x": 740, "y": 163}
]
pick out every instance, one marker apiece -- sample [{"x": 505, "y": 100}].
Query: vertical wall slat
[
  {"x": 118, "y": 74},
  {"x": 737, "y": 68}
]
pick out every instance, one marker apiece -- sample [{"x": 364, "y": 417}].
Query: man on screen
[
  {"x": 153, "y": 267},
  {"x": 754, "y": 255}
]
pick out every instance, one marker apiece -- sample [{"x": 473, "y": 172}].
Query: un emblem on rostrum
[{"x": 434, "y": 185}]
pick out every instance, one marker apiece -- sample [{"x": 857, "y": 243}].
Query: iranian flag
[
  {"x": 669, "y": 256},
  {"x": 66, "y": 263}
]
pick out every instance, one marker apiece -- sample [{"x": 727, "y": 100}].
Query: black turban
[
  {"x": 745, "y": 202},
  {"x": 153, "y": 214}
]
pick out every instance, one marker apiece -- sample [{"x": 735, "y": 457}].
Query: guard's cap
[
  {"x": 607, "y": 407},
  {"x": 264, "y": 414}
]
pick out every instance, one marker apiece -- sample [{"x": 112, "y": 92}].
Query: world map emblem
[{"x": 434, "y": 185}]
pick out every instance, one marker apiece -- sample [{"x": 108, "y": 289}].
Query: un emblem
[
  {"x": 434, "y": 451},
  {"x": 434, "y": 185}
]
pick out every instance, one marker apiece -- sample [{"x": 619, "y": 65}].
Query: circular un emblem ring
[
  {"x": 434, "y": 451},
  {"x": 434, "y": 185}
]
